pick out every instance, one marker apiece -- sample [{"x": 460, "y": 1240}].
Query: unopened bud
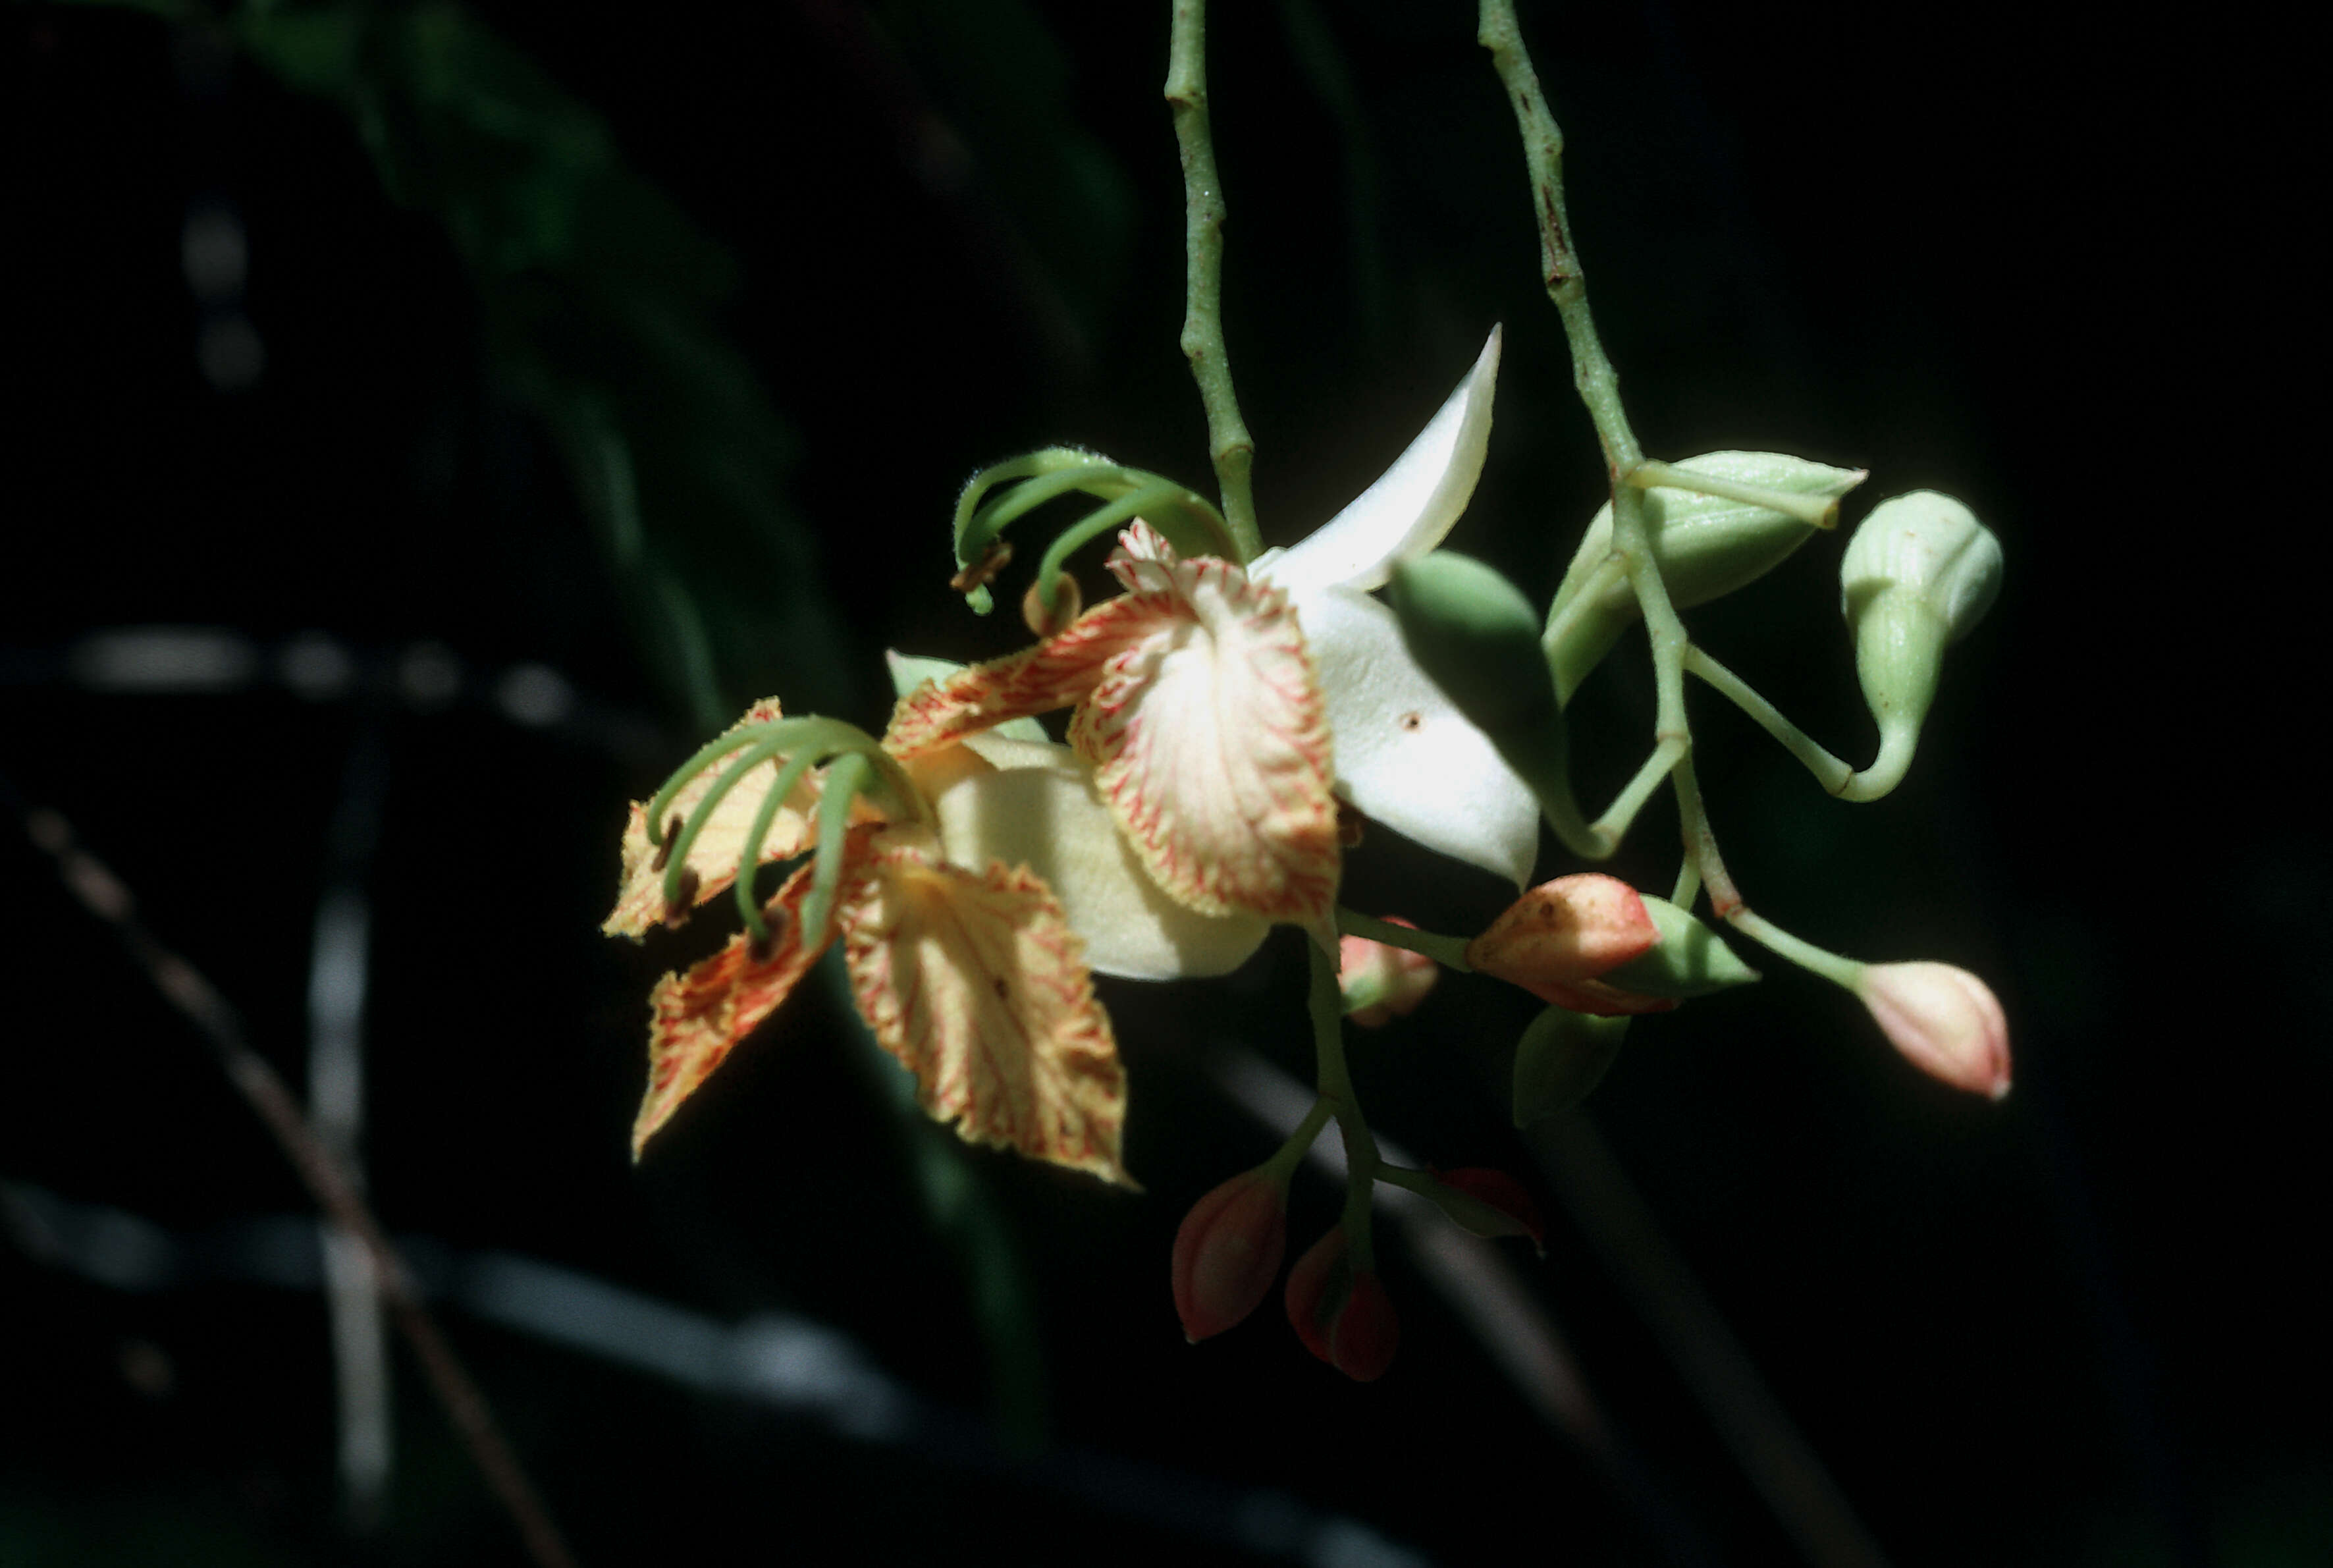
[
  {"x": 1689, "y": 960},
  {"x": 1944, "y": 1020},
  {"x": 1557, "y": 940},
  {"x": 1227, "y": 1253},
  {"x": 1488, "y": 1203},
  {"x": 1342, "y": 1314},
  {"x": 1381, "y": 982},
  {"x": 1068, "y": 601},
  {"x": 1477, "y": 638},
  {"x": 1561, "y": 1059},
  {"x": 1918, "y": 574},
  {"x": 1707, "y": 546}
]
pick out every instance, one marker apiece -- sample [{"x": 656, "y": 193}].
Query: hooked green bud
[
  {"x": 1918, "y": 574},
  {"x": 1707, "y": 546},
  {"x": 1687, "y": 961},
  {"x": 1563, "y": 1056},
  {"x": 1486, "y": 1203}
]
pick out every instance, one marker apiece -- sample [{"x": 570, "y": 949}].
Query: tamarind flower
[
  {"x": 963, "y": 965},
  {"x": 1223, "y": 709}
]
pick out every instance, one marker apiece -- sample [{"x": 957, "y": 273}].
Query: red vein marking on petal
[
  {"x": 1054, "y": 674},
  {"x": 697, "y": 1017},
  {"x": 1212, "y": 744},
  {"x": 976, "y": 983}
]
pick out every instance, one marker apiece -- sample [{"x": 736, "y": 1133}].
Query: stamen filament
[
  {"x": 759, "y": 752},
  {"x": 1049, "y": 570},
  {"x": 749, "y": 859},
  {"x": 844, "y": 780}
]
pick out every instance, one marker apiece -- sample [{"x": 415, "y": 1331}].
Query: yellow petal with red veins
[
  {"x": 696, "y": 1017},
  {"x": 1210, "y": 741},
  {"x": 713, "y": 857},
  {"x": 975, "y": 981}
]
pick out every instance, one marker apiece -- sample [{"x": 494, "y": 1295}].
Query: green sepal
[
  {"x": 1707, "y": 546},
  {"x": 1560, "y": 1058},
  {"x": 1689, "y": 960}
]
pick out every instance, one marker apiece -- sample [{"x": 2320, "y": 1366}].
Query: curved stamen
[
  {"x": 678, "y": 870},
  {"x": 749, "y": 859},
  {"x": 1119, "y": 512},
  {"x": 844, "y": 780},
  {"x": 1187, "y": 519}
]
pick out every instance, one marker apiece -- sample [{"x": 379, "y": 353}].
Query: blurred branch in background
[
  {"x": 319, "y": 1167},
  {"x": 786, "y": 1365}
]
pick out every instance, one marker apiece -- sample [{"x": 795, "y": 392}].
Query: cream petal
[
  {"x": 1208, "y": 738},
  {"x": 1052, "y": 820},
  {"x": 713, "y": 858},
  {"x": 1405, "y": 755},
  {"x": 974, "y": 981},
  {"x": 1411, "y": 505}
]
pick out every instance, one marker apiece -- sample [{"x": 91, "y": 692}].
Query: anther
[
  {"x": 684, "y": 895},
  {"x": 1068, "y": 601},
  {"x": 664, "y": 850},
  {"x": 983, "y": 572}
]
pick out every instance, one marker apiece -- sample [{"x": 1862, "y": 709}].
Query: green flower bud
[
  {"x": 1919, "y": 572},
  {"x": 1477, "y": 637},
  {"x": 1707, "y": 546},
  {"x": 1562, "y": 1057},
  {"x": 1687, "y": 961}
]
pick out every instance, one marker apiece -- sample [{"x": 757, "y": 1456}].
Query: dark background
[{"x": 792, "y": 273}]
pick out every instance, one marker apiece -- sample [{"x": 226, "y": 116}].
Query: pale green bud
[
  {"x": 1560, "y": 1058},
  {"x": 1477, "y": 637},
  {"x": 1687, "y": 961},
  {"x": 1707, "y": 546},
  {"x": 1919, "y": 572}
]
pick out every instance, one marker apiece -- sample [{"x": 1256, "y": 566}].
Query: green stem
[
  {"x": 1832, "y": 967},
  {"x": 1821, "y": 511},
  {"x": 1290, "y": 1154},
  {"x": 1724, "y": 898},
  {"x": 1336, "y": 1083},
  {"x": 1688, "y": 885},
  {"x": 1830, "y": 772},
  {"x": 1886, "y": 771},
  {"x": 1229, "y": 444},
  {"x": 1450, "y": 952},
  {"x": 1613, "y": 826},
  {"x": 1592, "y": 371}
]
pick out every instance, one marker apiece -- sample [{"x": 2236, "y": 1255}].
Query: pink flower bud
[
  {"x": 1382, "y": 982},
  {"x": 1556, "y": 940},
  {"x": 1342, "y": 1314},
  {"x": 1945, "y": 1020},
  {"x": 1514, "y": 1212},
  {"x": 1228, "y": 1252}
]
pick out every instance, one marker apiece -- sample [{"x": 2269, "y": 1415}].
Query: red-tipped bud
[
  {"x": 1945, "y": 1020},
  {"x": 1228, "y": 1253},
  {"x": 1382, "y": 982},
  {"x": 1556, "y": 940},
  {"x": 1490, "y": 1203},
  {"x": 1342, "y": 1314}
]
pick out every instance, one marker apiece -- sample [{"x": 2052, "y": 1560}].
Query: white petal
[
  {"x": 1405, "y": 755},
  {"x": 1051, "y": 820},
  {"x": 1410, "y": 507}
]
